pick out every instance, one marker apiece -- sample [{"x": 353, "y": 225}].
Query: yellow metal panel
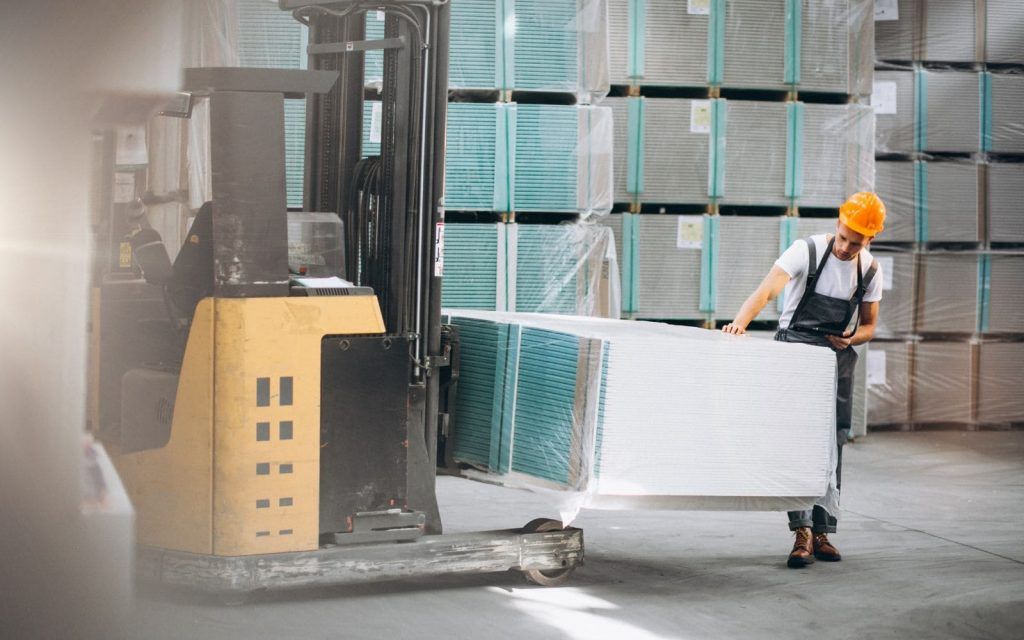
[
  {"x": 171, "y": 487},
  {"x": 266, "y": 491}
]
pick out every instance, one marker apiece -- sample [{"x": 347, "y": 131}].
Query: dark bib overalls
[{"x": 815, "y": 317}]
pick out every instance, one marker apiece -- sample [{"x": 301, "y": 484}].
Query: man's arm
[
  {"x": 768, "y": 290},
  {"x": 865, "y": 332}
]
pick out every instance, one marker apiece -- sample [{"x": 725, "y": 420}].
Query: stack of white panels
[
  {"x": 620, "y": 147},
  {"x": 618, "y": 41},
  {"x": 675, "y": 159},
  {"x": 999, "y": 396},
  {"x": 952, "y": 118},
  {"x": 675, "y": 45},
  {"x": 888, "y": 373},
  {"x": 668, "y": 275},
  {"x": 894, "y": 126},
  {"x": 755, "y": 45},
  {"x": 942, "y": 382},
  {"x": 1004, "y": 31},
  {"x": 659, "y": 425},
  {"x": 747, "y": 250},
  {"x": 949, "y": 294},
  {"x": 949, "y": 31},
  {"x": 1007, "y": 105},
  {"x": 1006, "y": 293},
  {"x": 896, "y": 311},
  {"x": 951, "y": 202},
  {"x": 894, "y": 184},
  {"x": 894, "y": 38},
  {"x": 1005, "y": 198},
  {"x": 836, "y": 157},
  {"x": 755, "y": 153}
]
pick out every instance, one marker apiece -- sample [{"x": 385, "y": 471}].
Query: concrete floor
[{"x": 932, "y": 535}]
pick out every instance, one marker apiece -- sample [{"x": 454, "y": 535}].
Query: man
[{"x": 833, "y": 287}]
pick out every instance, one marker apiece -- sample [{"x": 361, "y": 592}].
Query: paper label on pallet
[
  {"x": 380, "y": 16},
  {"x": 876, "y": 368},
  {"x": 375, "y": 117},
  {"x": 690, "y": 232},
  {"x": 698, "y": 7},
  {"x": 883, "y": 98},
  {"x": 887, "y": 10},
  {"x": 124, "y": 187},
  {"x": 885, "y": 264},
  {"x": 700, "y": 116},
  {"x": 439, "y": 250}
]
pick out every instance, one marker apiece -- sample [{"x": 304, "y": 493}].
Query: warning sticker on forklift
[
  {"x": 700, "y": 116},
  {"x": 690, "y": 232},
  {"x": 439, "y": 250}
]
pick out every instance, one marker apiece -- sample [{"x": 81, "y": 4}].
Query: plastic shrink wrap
[
  {"x": 530, "y": 45},
  {"x": 676, "y": 151},
  {"x": 529, "y": 158},
  {"x": 643, "y": 415},
  {"x": 809, "y": 45},
  {"x": 565, "y": 269}
]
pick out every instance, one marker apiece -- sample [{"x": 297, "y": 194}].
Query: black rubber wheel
[{"x": 546, "y": 577}]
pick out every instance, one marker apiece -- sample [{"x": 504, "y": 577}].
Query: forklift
[{"x": 277, "y": 426}]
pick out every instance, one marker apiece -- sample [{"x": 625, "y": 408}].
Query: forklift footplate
[{"x": 477, "y": 552}]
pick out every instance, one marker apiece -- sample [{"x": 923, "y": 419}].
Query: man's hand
[
  {"x": 840, "y": 342},
  {"x": 734, "y": 329}
]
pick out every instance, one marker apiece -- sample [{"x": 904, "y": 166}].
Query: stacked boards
[{"x": 637, "y": 414}]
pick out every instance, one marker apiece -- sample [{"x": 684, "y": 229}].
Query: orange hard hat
[{"x": 864, "y": 212}]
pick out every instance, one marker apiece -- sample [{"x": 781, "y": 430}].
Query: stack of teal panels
[
  {"x": 475, "y": 160},
  {"x": 560, "y": 269},
  {"x": 528, "y": 158},
  {"x": 474, "y": 267}
]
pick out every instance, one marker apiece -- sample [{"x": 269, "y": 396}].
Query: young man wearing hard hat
[{"x": 829, "y": 280}]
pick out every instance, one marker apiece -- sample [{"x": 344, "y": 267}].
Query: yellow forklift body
[{"x": 240, "y": 473}]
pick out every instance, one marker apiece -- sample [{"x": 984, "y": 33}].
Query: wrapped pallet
[
  {"x": 747, "y": 249},
  {"x": 1004, "y": 130},
  {"x": 999, "y": 397},
  {"x": 948, "y": 111},
  {"x": 565, "y": 268},
  {"x": 928, "y": 30},
  {"x": 555, "y": 46},
  {"x": 617, "y": 413},
  {"x": 661, "y": 150},
  {"x": 949, "y": 292},
  {"x": 835, "y": 154},
  {"x": 529, "y": 157},
  {"x": 1005, "y": 195},
  {"x": 948, "y": 204},
  {"x": 1003, "y": 293},
  {"x": 894, "y": 184},
  {"x": 1004, "y": 31},
  {"x": 667, "y": 265},
  {"x": 896, "y": 313},
  {"x": 942, "y": 383},
  {"x": 893, "y": 99},
  {"x": 888, "y": 380},
  {"x": 756, "y": 137}
]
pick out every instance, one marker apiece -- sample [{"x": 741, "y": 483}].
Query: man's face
[{"x": 848, "y": 242}]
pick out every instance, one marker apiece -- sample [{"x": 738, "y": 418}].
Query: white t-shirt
[{"x": 838, "y": 279}]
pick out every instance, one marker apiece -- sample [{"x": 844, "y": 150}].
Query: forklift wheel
[{"x": 546, "y": 577}]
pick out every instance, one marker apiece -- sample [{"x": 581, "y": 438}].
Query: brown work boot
[
  {"x": 823, "y": 549},
  {"x": 803, "y": 549}
]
